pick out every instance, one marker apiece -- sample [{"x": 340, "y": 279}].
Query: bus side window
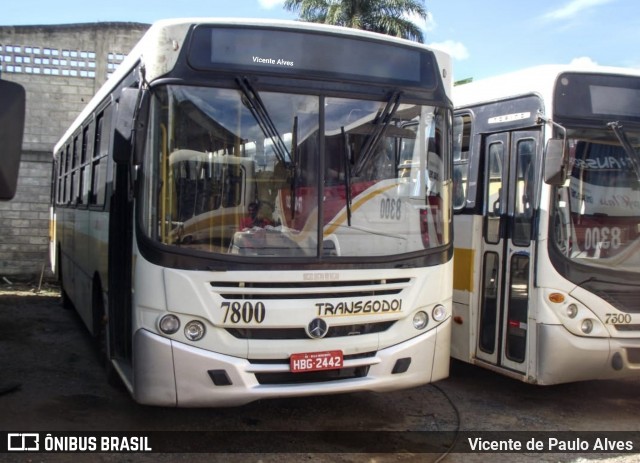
[
  {"x": 461, "y": 141},
  {"x": 85, "y": 163},
  {"x": 459, "y": 183},
  {"x": 525, "y": 190},
  {"x": 66, "y": 195},
  {"x": 60, "y": 174},
  {"x": 99, "y": 160},
  {"x": 76, "y": 179}
]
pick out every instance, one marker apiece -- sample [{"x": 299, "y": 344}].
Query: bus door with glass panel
[{"x": 509, "y": 193}]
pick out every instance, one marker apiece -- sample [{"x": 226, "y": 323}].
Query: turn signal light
[{"x": 556, "y": 298}]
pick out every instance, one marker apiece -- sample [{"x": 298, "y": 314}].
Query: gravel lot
[{"x": 52, "y": 382}]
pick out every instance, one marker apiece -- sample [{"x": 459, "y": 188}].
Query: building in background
[{"x": 60, "y": 67}]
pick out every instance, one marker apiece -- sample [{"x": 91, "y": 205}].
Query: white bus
[
  {"x": 252, "y": 209},
  {"x": 547, "y": 224}
]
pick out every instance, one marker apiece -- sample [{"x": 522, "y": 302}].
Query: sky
[{"x": 484, "y": 38}]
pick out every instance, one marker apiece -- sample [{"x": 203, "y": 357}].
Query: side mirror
[
  {"x": 140, "y": 129},
  {"x": 130, "y": 126},
  {"x": 12, "y": 113},
  {"x": 555, "y": 167},
  {"x": 125, "y": 112}
]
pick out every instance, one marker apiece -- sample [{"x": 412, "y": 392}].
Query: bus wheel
[
  {"x": 65, "y": 301},
  {"x": 101, "y": 331}
]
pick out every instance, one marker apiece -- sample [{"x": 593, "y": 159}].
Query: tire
[
  {"x": 65, "y": 301},
  {"x": 101, "y": 331}
]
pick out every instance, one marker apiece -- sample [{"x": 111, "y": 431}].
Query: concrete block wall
[
  {"x": 60, "y": 67},
  {"x": 24, "y": 221}
]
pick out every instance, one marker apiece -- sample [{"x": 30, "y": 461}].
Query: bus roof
[
  {"x": 539, "y": 80},
  {"x": 160, "y": 46}
]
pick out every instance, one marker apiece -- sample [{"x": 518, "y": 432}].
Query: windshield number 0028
[
  {"x": 390, "y": 209},
  {"x": 245, "y": 312}
]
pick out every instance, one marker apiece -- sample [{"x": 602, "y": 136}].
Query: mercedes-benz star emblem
[{"x": 317, "y": 328}]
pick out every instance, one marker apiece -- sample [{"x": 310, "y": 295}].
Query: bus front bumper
[
  {"x": 169, "y": 373},
  {"x": 565, "y": 357}
]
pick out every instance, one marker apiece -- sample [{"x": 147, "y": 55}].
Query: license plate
[{"x": 316, "y": 361}]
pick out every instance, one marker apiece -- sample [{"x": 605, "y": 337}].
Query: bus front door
[{"x": 509, "y": 193}]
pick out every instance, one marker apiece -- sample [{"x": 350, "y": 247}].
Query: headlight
[
  {"x": 420, "y": 320},
  {"x": 194, "y": 330},
  {"x": 586, "y": 326},
  {"x": 575, "y": 316},
  {"x": 572, "y": 310},
  {"x": 439, "y": 313},
  {"x": 169, "y": 324}
]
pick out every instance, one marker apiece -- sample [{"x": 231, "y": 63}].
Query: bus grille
[
  {"x": 300, "y": 333},
  {"x": 631, "y": 327},
  {"x": 625, "y": 301},
  {"x": 633, "y": 355},
  {"x": 312, "y": 376},
  {"x": 285, "y": 362},
  {"x": 283, "y": 376},
  {"x": 235, "y": 290}
]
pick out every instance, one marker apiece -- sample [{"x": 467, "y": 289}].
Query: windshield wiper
[
  {"x": 381, "y": 122},
  {"x": 347, "y": 175},
  {"x": 634, "y": 157},
  {"x": 261, "y": 115},
  {"x": 294, "y": 172}
]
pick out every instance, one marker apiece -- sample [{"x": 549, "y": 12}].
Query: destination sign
[{"x": 312, "y": 53}]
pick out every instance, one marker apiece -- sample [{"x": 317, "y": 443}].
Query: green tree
[{"x": 391, "y": 17}]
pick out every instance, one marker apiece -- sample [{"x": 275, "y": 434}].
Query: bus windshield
[
  {"x": 265, "y": 174},
  {"x": 597, "y": 212}
]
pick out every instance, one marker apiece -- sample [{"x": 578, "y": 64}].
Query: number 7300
[{"x": 618, "y": 318}]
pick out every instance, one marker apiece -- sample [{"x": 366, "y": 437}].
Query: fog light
[
  {"x": 616, "y": 361},
  {"x": 169, "y": 324},
  {"x": 194, "y": 330},
  {"x": 439, "y": 313},
  {"x": 587, "y": 326},
  {"x": 420, "y": 320},
  {"x": 572, "y": 310},
  {"x": 401, "y": 366}
]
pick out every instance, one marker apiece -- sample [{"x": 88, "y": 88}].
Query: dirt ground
[{"x": 51, "y": 381}]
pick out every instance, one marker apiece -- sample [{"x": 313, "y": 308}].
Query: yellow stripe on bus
[
  {"x": 343, "y": 217},
  {"x": 463, "y": 269}
]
